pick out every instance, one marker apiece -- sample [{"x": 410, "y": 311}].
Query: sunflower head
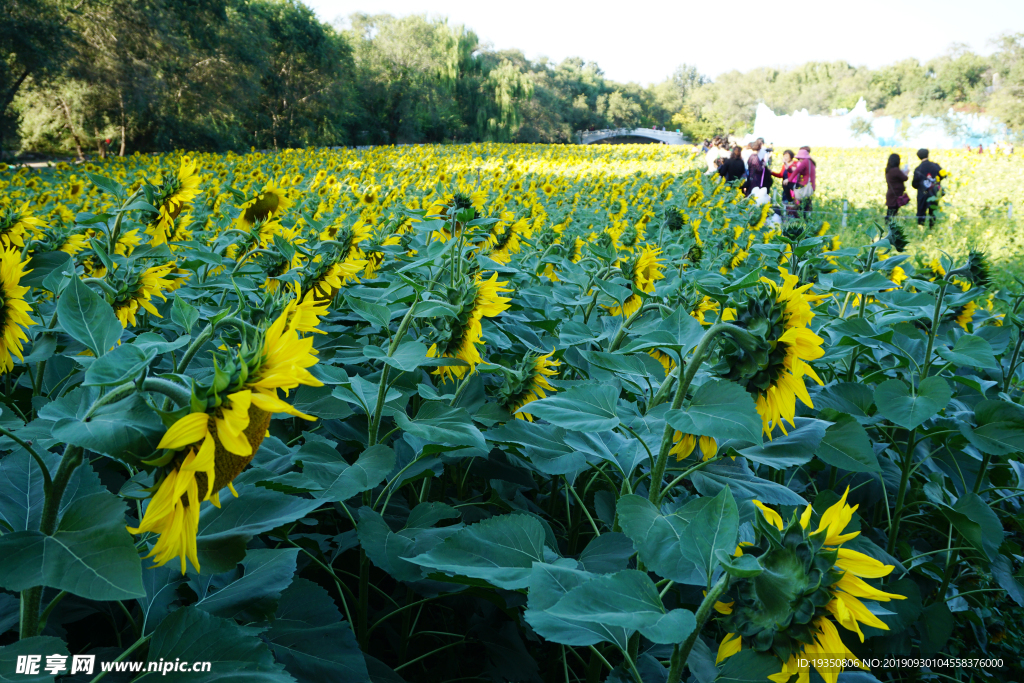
[
  {"x": 461, "y": 201},
  {"x": 755, "y": 363},
  {"x": 896, "y": 237},
  {"x": 137, "y": 290},
  {"x": 977, "y": 270},
  {"x": 528, "y": 382},
  {"x": 773, "y": 364},
  {"x": 808, "y": 584},
  {"x": 271, "y": 201},
  {"x": 675, "y": 219},
  {"x": 460, "y": 336},
  {"x": 629, "y": 237},
  {"x": 604, "y": 246},
  {"x": 794, "y": 232},
  {"x": 775, "y": 611},
  {"x": 16, "y": 225}
]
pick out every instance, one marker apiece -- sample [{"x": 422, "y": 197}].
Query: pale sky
[{"x": 645, "y": 41}]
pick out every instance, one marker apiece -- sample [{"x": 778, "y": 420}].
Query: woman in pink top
[{"x": 804, "y": 172}]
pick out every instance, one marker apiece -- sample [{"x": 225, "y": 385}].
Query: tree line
[{"x": 117, "y": 76}]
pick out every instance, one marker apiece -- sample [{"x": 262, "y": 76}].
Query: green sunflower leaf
[
  {"x": 91, "y": 554},
  {"x": 548, "y": 584},
  {"x": 237, "y": 653},
  {"x": 846, "y": 445},
  {"x": 906, "y": 408},
  {"x": 500, "y": 550},
  {"x": 84, "y": 315},
  {"x": 720, "y": 409},
  {"x": 309, "y": 637},
  {"x": 587, "y": 408}
]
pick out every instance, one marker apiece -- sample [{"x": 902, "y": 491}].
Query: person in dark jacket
[
  {"x": 926, "y": 182},
  {"x": 733, "y": 168},
  {"x": 758, "y": 174},
  {"x": 896, "y": 184}
]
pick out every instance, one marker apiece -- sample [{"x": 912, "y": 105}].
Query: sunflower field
[
  {"x": 982, "y": 204},
  {"x": 494, "y": 413}
]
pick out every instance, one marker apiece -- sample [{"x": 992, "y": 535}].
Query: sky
[{"x": 645, "y": 41}]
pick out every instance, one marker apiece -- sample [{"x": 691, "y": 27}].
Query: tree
[
  {"x": 35, "y": 40},
  {"x": 1007, "y": 99},
  {"x": 306, "y": 77}
]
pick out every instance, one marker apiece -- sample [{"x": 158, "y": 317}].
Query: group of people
[
  {"x": 927, "y": 181},
  {"x": 751, "y": 165}
]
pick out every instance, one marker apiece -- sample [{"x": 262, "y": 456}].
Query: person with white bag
[{"x": 804, "y": 180}]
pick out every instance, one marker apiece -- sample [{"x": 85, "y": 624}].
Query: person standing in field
[
  {"x": 926, "y": 182},
  {"x": 896, "y": 188},
  {"x": 784, "y": 174},
  {"x": 733, "y": 168},
  {"x": 759, "y": 176},
  {"x": 715, "y": 152},
  {"x": 804, "y": 178}
]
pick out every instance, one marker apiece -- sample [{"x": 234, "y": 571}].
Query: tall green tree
[{"x": 35, "y": 39}]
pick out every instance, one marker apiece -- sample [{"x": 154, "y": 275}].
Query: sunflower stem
[
  {"x": 681, "y": 652},
  {"x": 1008, "y": 375},
  {"x": 901, "y": 494},
  {"x": 691, "y": 369},
  {"x": 934, "y": 331},
  {"x": 986, "y": 459},
  {"x": 193, "y": 348},
  {"x": 31, "y": 597},
  {"x": 41, "y": 365},
  {"x": 621, "y": 334},
  {"x": 53, "y": 604},
  {"x": 47, "y": 482},
  {"x": 101, "y": 283},
  {"x": 115, "y": 234},
  {"x": 665, "y": 387},
  {"x": 590, "y": 308},
  {"x": 947, "y": 575},
  {"x": 675, "y": 482},
  {"x": 121, "y": 657},
  {"x": 382, "y": 390}
]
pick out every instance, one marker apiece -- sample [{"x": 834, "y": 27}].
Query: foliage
[
  {"x": 114, "y": 76},
  {"x": 512, "y": 413}
]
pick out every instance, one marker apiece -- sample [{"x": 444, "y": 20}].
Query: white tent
[{"x": 861, "y": 128}]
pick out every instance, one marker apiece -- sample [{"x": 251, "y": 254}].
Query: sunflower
[
  {"x": 340, "y": 264},
  {"x": 666, "y": 360},
  {"x": 207, "y": 448},
  {"x": 368, "y": 198},
  {"x": 140, "y": 292},
  {"x": 461, "y": 336},
  {"x": 127, "y": 242},
  {"x": 328, "y": 278},
  {"x": 171, "y": 197},
  {"x": 529, "y": 383},
  {"x": 705, "y": 305},
  {"x": 506, "y": 239},
  {"x": 642, "y": 272},
  {"x": 270, "y": 202},
  {"x": 774, "y": 371},
  {"x": 965, "y": 314},
  {"x": 276, "y": 265},
  {"x": 810, "y": 584},
  {"x": 14, "y": 310},
  {"x": 58, "y": 238},
  {"x": 16, "y": 225},
  {"x": 684, "y": 444},
  {"x": 374, "y": 253}
]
